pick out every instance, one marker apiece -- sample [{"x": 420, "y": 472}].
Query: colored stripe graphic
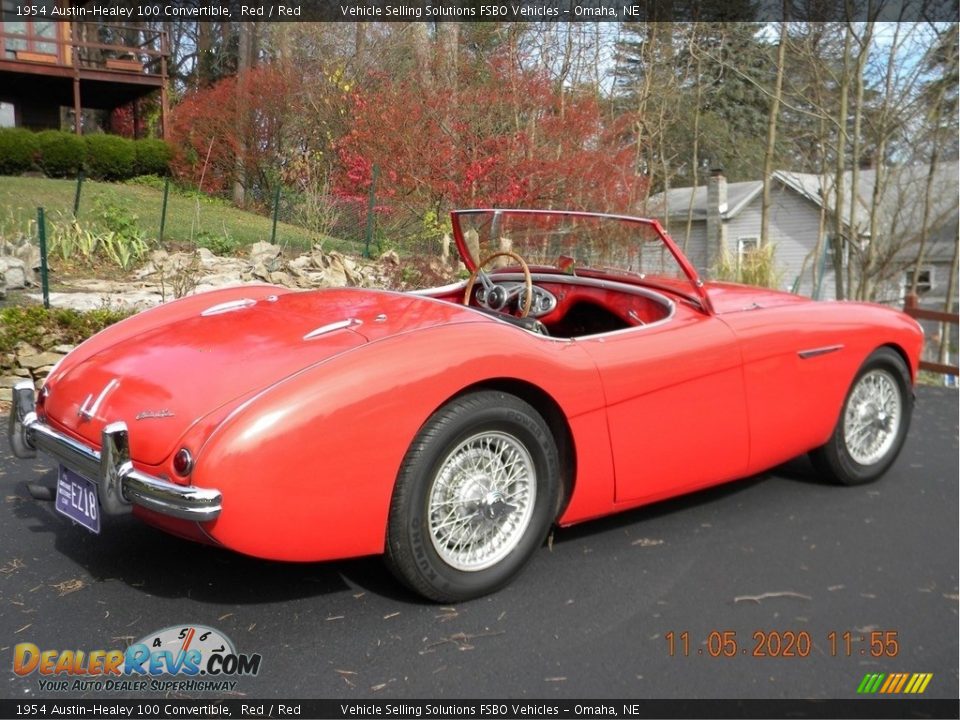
[{"x": 894, "y": 683}]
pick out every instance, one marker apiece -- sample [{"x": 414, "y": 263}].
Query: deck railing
[
  {"x": 145, "y": 54},
  {"x": 911, "y": 308}
]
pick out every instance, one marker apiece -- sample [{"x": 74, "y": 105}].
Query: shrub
[
  {"x": 217, "y": 244},
  {"x": 17, "y": 147},
  {"x": 60, "y": 154},
  {"x": 757, "y": 267},
  {"x": 45, "y": 328},
  {"x": 152, "y": 157},
  {"x": 110, "y": 157},
  {"x": 151, "y": 181}
]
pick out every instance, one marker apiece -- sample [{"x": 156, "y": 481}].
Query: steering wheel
[{"x": 489, "y": 286}]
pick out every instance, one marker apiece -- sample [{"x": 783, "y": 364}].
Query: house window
[
  {"x": 925, "y": 280},
  {"x": 30, "y": 36},
  {"x": 8, "y": 115},
  {"x": 745, "y": 246},
  {"x": 831, "y": 251}
]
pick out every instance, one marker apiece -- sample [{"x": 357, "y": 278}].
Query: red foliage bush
[
  {"x": 507, "y": 137},
  {"x": 234, "y": 128}
]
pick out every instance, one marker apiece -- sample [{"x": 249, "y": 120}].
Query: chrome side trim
[
  {"x": 332, "y": 327},
  {"x": 228, "y": 306},
  {"x": 816, "y": 352},
  {"x": 119, "y": 484},
  {"x": 441, "y": 290},
  {"x": 89, "y": 412}
]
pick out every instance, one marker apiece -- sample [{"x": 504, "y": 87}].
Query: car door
[{"x": 675, "y": 405}]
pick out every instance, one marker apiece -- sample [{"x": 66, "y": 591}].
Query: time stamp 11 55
[{"x": 783, "y": 644}]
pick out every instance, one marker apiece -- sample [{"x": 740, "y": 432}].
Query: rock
[
  {"x": 281, "y": 278},
  {"x": 42, "y": 372},
  {"x": 123, "y": 299},
  {"x": 260, "y": 272},
  {"x": 29, "y": 254},
  {"x": 264, "y": 253},
  {"x": 6, "y": 394},
  {"x": 146, "y": 271},
  {"x": 334, "y": 276},
  {"x": 33, "y": 362},
  {"x": 9, "y": 381},
  {"x": 24, "y": 348},
  {"x": 300, "y": 263},
  {"x": 390, "y": 257},
  {"x": 64, "y": 348},
  {"x": 338, "y": 265},
  {"x": 21, "y": 372},
  {"x": 14, "y": 274},
  {"x": 208, "y": 261}
]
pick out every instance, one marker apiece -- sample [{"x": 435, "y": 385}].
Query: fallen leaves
[
  {"x": 767, "y": 595},
  {"x": 11, "y": 566},
  {"x": 69, "y": 586},
  {"x": 462, "y": 640}
]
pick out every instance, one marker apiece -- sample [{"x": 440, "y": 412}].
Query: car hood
[
  {"x": 731, "y": 297},
  {"x": 167, "y": 377}
]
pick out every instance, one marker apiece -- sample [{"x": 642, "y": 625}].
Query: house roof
[
  {"x": 677, "y": 200},
  {"x": 899, "y": 207}
]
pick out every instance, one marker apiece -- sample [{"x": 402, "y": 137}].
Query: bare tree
[{"x": 768, "y": 156}]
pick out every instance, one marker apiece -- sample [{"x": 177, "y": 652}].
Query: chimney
[{"x": 716, "y": 207}]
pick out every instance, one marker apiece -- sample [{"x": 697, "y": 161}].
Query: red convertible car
[{"x": 583, "y": 369}]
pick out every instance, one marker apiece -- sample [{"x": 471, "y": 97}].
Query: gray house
[{"x": 727, "y": 215}]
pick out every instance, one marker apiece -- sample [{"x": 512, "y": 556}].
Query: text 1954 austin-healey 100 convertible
[{"x": 582, "y": 369}]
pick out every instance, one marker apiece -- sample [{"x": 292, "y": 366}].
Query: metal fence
[{"x": 170, "y": 215}]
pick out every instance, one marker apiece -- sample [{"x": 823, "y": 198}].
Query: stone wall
[{"x": 28, "y": 363}]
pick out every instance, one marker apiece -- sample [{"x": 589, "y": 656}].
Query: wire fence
[{"x": 166, "y": 216}]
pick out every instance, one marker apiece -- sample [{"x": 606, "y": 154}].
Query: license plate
[{"x": 77, "y": 499}]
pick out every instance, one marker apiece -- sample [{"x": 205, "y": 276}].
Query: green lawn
[{"x": 188, "y": 218}]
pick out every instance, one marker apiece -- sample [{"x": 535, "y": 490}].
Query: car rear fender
[{"x": 307, "y": 467}]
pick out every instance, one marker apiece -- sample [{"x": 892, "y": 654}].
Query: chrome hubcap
[
  {"x": 872, "y": 417},
  {"x": 481, "y": 501}
]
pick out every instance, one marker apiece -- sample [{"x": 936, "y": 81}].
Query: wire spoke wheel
[
  {"x": 873, "y": 422},
  {"x": 481, "y": 501},
  {"x": 475, "y": 497},
  {"x": 872, "y": 417}
]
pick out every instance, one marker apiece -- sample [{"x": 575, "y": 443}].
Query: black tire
[
  {"x": 838, "y": 459},
  {"x": 488, "y": 426}
]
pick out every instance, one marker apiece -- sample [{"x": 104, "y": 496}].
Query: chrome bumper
[{"x": 119, "y": 484}]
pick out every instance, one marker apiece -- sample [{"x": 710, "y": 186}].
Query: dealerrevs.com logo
[{"x": 180, "y": 657}]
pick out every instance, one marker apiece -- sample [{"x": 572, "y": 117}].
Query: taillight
[{"x": 183, "y": 462}]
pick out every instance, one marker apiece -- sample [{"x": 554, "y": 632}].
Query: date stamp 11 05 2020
[{"x": 784, "y": 644}]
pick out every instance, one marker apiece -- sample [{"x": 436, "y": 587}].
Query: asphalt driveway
[{"x": 781, "y": 553}]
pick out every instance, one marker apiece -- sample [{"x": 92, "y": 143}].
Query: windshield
[{"x": 617, "y": 246}]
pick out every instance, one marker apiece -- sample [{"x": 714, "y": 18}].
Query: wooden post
[
  {"x": 44, "y": 278},
  {"x": 75, "y": 56},
  {"x": 164, "y": 100}
]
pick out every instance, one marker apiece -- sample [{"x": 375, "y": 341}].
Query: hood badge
[{"x": 154, "y": 414}]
